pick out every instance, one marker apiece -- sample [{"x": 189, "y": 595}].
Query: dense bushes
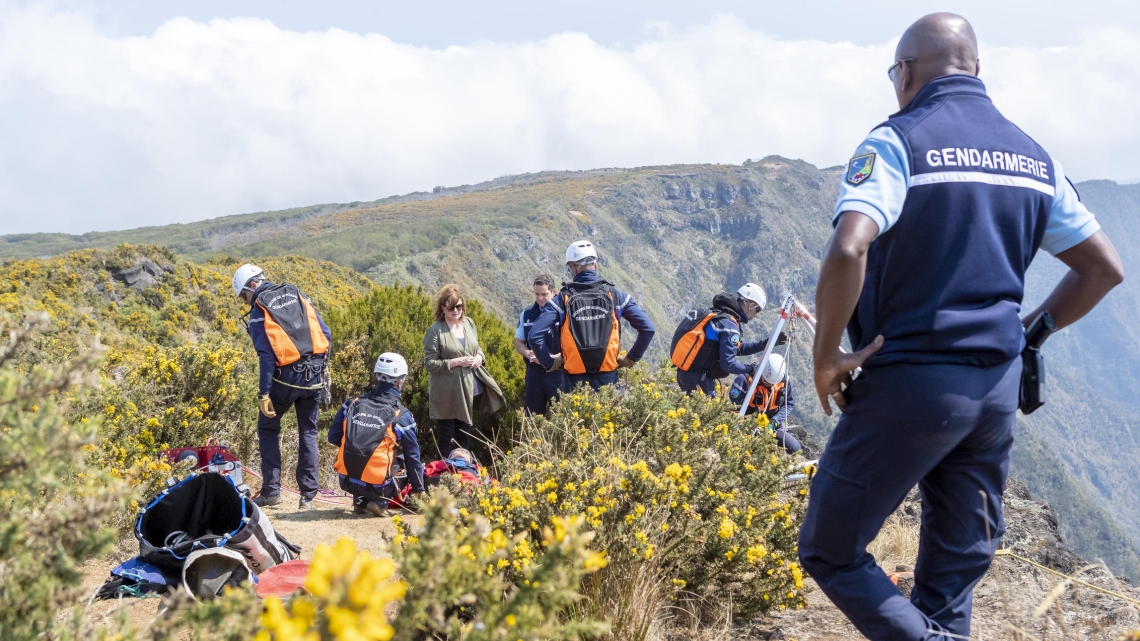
[
  {"x": 179, "y": 368},
  {"x": 686, "y": 502},
  {"x": 56, "y": 504},
  {"x": 459, "y": 588}
]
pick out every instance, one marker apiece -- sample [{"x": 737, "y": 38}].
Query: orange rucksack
[
  {"x": 591, "y": 334},
  {"x": 691, "y": 350},
  {"x": 369, "y": 447},
  {"x": 291, "y": 324}
]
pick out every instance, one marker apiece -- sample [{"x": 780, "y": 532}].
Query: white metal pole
[
  {"x": 787, "y": 308},
  {"x": 802, "y": 312}
]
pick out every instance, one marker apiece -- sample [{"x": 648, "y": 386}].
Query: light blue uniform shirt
[{"x": 880, "y": 197}]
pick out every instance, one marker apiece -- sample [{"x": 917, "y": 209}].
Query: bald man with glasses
[{"x": 940, "y": 213}]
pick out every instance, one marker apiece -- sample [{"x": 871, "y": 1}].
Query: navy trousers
[
  {"x": 269, "y": 439},
  {"x": 541, "y": 387},
  {"x": 595, "y": 381},
  {"x": 790, "y": 443},
  {"x": 690, "y": 382},
  {"x": 948, "y": 428}
]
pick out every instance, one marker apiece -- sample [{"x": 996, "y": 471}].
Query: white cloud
[{"x": 206, "y": 119}]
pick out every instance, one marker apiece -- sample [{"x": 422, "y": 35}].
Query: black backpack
[{"x": 591, "y": 335}]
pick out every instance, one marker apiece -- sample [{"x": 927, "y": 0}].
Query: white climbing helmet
[
  {"x": 776, "y": 369},
  {"x": 580, "y": 249},
  {"x": 243, "y": 275},
  {"x": 754, "y": 293},
  {"x": 392, "y": 365}
]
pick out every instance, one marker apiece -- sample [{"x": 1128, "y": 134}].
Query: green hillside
[{"x": 674, "y": 236}]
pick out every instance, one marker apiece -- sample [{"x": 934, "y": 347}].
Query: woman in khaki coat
[{"x": 458, "y": 382}]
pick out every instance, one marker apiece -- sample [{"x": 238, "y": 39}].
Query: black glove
[{"x": 782, "y": 339}]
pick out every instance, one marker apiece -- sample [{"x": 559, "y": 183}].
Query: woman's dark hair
[
  {"x": 448, "y": 295},
  {"x": 546, "y": 280}
]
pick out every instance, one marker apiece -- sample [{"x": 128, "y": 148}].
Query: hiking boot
[
  {"x": 267, "y": 500},
  {"x": 359, "y": 510},
  {"x": 306, "y": 504},
  {"x": 377, "y": 510}
]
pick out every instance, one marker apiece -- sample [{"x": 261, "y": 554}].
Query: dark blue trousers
[
  {"x": 541, "y": 387},
  {"x": 269, "y": 439},
  {"x": 595, "y": 381},
  {"x": 690, "y": 382},
  {"x": 790, "y": 443},
  {"x": 948, "y": 428}
]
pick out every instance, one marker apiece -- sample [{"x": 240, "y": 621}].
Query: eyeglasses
[
  {"x": 895, "y": 67},
  {"x": 460, "y": 307}
]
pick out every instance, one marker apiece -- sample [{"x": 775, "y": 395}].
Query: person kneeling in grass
[{"x": 373, "y": 431}]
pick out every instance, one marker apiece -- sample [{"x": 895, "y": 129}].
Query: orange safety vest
[
  {"x": 767, "y": 399},
  {"x": 291, "y": 324},
  {"x": 590, "y": 342},
  {"x": 369, "y": 445}
]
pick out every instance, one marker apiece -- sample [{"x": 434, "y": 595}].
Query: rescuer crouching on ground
[
  {"x": 292, "y": 344},
  {"x": 373, "y": 431},
  {"x": 773, "y": 397},
  {"x": 707, "y": 342}
]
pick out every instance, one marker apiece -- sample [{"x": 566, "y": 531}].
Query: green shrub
[
  {"x": 56, "y": 504},
  {"x": 687, "y": 503},
  {"x": 458, "y": 574}
]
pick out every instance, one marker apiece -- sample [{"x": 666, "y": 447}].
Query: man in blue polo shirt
[
  {"x": 541, "y": 386},
  {"x": 942, "y": 209}
]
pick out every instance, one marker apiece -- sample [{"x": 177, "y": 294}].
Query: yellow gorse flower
[{"x": 350, "y": 591}]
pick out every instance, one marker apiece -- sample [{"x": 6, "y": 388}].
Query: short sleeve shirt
[{"x": 880, "y": 197}]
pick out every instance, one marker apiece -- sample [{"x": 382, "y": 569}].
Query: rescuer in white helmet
[
  {"x": 773, "y": 397},
  {"x": 374, "y": 432},
  {"x": 707, "y": 342},
  {"x": 583, "y": 324},
  {"x": 292, "y": 343}
]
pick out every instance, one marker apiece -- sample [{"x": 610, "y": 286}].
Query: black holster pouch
[{"x": 1032, "y": 393}]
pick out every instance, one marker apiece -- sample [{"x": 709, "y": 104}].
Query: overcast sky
[{"x": 124, "y": 113}]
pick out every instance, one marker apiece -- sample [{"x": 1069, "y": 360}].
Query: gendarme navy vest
[
  {"x": 529, "y": 316},
  {"x": 945, "y": 283}
]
